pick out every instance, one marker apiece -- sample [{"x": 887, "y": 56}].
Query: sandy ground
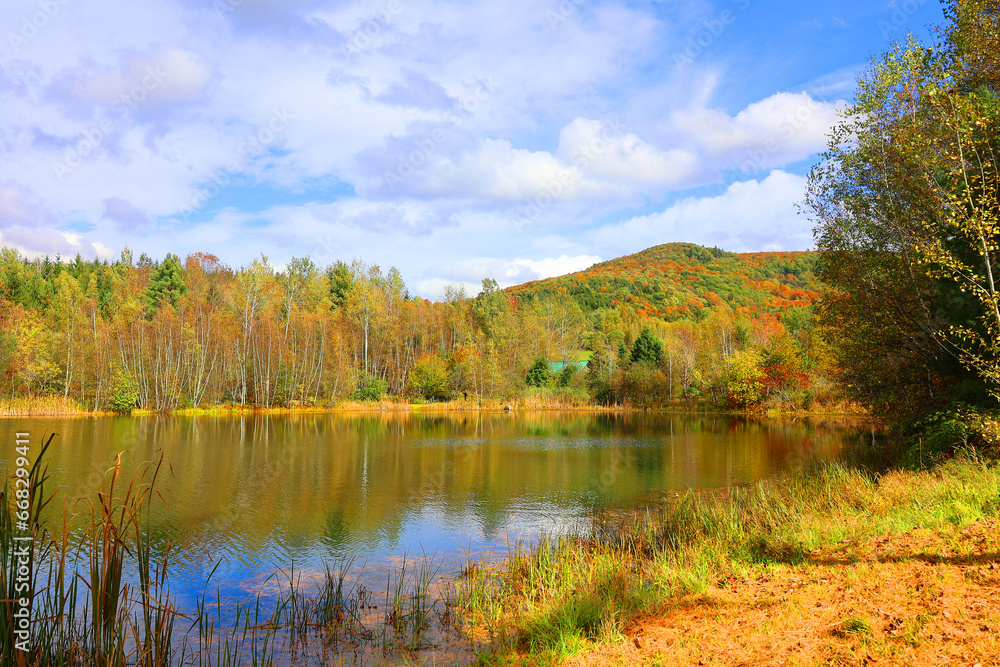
[{"x": 920, "y": 598}]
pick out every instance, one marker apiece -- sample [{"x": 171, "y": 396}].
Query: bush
[
  {"x": 369, "y": 388},
  {"x": 947, "y": 431},
  {"x": 125, "y": 396},
  {"x": 429, "y": 379},
  {"x": 644, "y": 385},
  {"x": 744, "y": 380},
  {"x": 539, "y": 374},
  {"x": 601, "y": 390}
]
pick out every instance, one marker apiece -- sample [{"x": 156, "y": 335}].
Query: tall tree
[
  {"x": 907, "y": 219},
  {"x": 166, "y": 286},
  {"x": 647, "y": 349}
]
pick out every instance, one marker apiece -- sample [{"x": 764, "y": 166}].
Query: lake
[{"x": 257, "y": 494}]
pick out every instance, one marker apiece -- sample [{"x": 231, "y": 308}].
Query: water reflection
[{"x": 261, "y": 492}]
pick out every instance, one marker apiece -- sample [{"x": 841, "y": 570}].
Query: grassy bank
[
  {"x": 51, "y": 406},
  {"x": 57, "y": 406},
  {"x": 696, "y": 570},
  {"x": 40, "y": 406}
]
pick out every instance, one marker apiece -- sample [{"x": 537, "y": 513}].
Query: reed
[{"x": 98, "y": 596}]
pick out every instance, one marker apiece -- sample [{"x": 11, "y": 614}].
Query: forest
[{"x": 673, "y": 324}]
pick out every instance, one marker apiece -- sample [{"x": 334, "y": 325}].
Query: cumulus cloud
[
  {"x": 594, "y": 160},
  {"x": 39, "y": 241},
  {"x": 602, "y": 160},
  {"x": 469, "y": 274},
  {"x": 779, "y": 130},
  {"x": 749, "y": 216},
  {"x": 139, "y": 83},
  {"x": 610, "y": 153},
  {"x": 519, "y": 270},
  {"x": 417, "y": 90},
  {"x": 418, "y": 132}
]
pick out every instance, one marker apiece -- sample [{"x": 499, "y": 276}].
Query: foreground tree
[{"x": 907, "y": 219}]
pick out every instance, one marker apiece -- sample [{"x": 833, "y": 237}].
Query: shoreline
[
  {"x": 836, "y": 566},
  {"x": 25, "y": 408}
]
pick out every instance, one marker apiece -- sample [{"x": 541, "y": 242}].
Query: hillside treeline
[
  {"x": 169, "y": 334},
  {"x": 682, "y": 280}
]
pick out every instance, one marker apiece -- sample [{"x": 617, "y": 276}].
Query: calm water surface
[{"x": 259, "y": 493}]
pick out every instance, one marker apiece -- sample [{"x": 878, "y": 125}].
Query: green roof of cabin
[{"x": 557, "y": 366}]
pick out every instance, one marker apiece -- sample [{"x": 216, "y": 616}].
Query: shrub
[
  {"x": 429, "y": 379},
  {"x": 125, "y": 396},
  {"x": 369, "y": 388}
]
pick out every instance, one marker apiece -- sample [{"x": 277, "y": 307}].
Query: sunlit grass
[
  {"x": 39, "y": 406},
  {"x": 559, "y": 596}
]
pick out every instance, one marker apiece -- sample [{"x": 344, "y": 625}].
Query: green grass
[{"x": 553, "y": 599}]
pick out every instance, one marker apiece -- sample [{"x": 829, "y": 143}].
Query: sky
[{"x": 454, "y": 140}]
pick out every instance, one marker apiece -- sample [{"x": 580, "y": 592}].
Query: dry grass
[
  {"x": 920, "y": 598},
  {"x": 39, "y": 406}
]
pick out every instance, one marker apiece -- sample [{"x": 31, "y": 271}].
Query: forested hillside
[
  {"x": 674, "y": 323},
  {"x": 680, "y": 280}
]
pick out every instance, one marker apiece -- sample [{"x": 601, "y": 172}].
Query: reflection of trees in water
[{"x": 338, "y": 478}]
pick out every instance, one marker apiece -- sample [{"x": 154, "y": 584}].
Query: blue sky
[{"x": 454, "y": 140}]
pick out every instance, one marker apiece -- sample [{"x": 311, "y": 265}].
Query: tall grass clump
[
  {"x": 14, "y": 541},
  {"x": 39, "y": 406}
]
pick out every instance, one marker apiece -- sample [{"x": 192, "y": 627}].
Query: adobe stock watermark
[
  {"x": 583, "y": 159},
  {"x": 254, "y": 144},
  {"x": 33, "y": 24},
  {"x": 224, "y": 7},
  {"x": 425, "y": 148},
  {"x": 707, "y": 33},
  {"x": 124, "y": 107},
  {"x": 903, "y": 12},
  {"x": 21, "y": 556},
  {"x": 563, "y": 12},
  {"x": 757, "y": 159},
  {"x": 365, "y": 36},
  {"x": 326, "y": 250}
]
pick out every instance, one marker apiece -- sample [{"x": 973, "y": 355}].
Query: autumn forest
[{"x": 677, "y": 323}]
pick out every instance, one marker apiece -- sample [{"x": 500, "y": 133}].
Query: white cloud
[
  {"x": 434, "y": 289},
  {"x": 170, "y": 76},
  {"x": 749, "y": 216},
  {"x": 602, "y": 161},
  {"x": 519, "y": 270},
  {"x": 773, "y": 132},
  {"x": 608, "y": 152},
  {"x": 506, "y": 272}
]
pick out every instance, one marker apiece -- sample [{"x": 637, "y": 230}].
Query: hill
[{"x": 680, "y": 280}]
